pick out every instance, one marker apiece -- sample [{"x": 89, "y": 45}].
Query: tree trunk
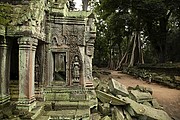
[
  {"x": 125, "y": 56},
  {"x": 162, "y": 45},
  {"x": 133, "y": 51}
]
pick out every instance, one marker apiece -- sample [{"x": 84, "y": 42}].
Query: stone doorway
[
  {"x": 14, "y": 70},
  {"x": 14, "y": 67},
  {"x": 60, "y": 66}
]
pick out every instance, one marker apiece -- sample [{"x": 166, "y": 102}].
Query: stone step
[
  {"x": 14, "y": 88},
  {"x": 14, "y": 93},
  {"x": 69, "y": 114},
  {"x": 14, "y": 97},
  {"x": 37, "y": 111},
  {"x": 66, "y": 105},
  {"x": 43, "y": 118}
]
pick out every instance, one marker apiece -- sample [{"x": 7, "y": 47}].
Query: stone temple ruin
[{"x": 46, "y": 51}]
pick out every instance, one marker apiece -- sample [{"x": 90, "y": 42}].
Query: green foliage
[
  {"x": 158, "y": 20},
  {"x": 5, "y": 13}
]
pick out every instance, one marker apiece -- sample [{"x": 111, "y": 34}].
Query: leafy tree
[{"x": 130, "y": 26}]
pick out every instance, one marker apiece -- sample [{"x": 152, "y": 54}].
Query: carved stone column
[
  {"x": 27, "y": 48},
  {"x": 4, "y": 70},
  {"x": 90, "y": 40}
]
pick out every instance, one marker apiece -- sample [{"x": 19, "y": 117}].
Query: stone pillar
[
  {"x": 27, "y": 48},
  {"x": 4, "y": 70}
]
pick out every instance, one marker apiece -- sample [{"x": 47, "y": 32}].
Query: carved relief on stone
[
  {"x": 54, "y": 41},
  {"x": 80, "y": 33},
  {"x": 74, "y": 51},
  {"x": 89, "y": 50},
  {"x": 75, "y": 61},
  {"x": 27, "y": 41},
  {"x": 3, "y": 41},
  {"x": 74, "y": 31},
  {"x": 58, "y": 38},
  {"x": 88, "y": 70},
  {"x": 76, "y": 70},
  {"x": 68, "y": 29}
]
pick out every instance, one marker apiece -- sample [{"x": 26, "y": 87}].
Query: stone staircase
[
  {"x": 71, "y": 103},
  {"x": 14, "y": 90},
  {"x": 59, "y": 101}
]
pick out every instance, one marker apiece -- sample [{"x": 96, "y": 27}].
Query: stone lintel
[
  {"x": 63, "y": 20},
  {"x": 15, "y": 32}
]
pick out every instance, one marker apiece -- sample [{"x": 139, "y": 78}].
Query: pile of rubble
[
  {"x": 172, "y": 81},
  {"x": 116, "y": 102}
]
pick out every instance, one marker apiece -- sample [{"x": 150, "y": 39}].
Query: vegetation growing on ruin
[{"x": 5, "y": 13}]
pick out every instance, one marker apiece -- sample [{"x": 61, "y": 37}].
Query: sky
[{"x": 78, "y": 4}]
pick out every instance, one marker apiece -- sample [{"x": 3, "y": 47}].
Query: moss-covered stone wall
[{"x": 22, "y": 17}]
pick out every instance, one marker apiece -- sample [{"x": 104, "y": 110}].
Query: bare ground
[{"x": 168, "y": 98}]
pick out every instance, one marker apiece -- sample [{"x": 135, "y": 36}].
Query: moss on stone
[{"x": 5, "y": 13}]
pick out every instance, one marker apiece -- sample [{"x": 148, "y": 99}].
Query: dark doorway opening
[
  {"x": 59, "y": 66},
  {"x": 14, "y": 64}
]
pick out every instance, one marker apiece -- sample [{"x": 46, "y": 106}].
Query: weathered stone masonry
[{"x": 45, "y": 39}]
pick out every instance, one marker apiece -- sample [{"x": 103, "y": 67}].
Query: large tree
[{"x": 134, "y": 23}]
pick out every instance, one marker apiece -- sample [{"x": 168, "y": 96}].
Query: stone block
[
  {"x": 127, "y": 115},
  {"x": 147, "y": 103},
  {"x": 117, "y": 114},
  {"x": 26, "y": 106},
  {"x": 140, "y": 96},
  {"x": 53, "y": 96},
  {"x": 143, "y": 89},
  {"x": 95, "y": 116},
  {"x": 62, "y": 96},
  {"x": 78, "y": 96},
  {"x": 106, "y": 118},
  {"x": 149, "y": 112},
  {"x": 177, "y": 78},
  {"x": 108, "y": 98},
  {"x": 155, "y": 104},
  {"x": 129, "y": 109},
  {"x": 117, "y": 88},
  {"x": 104, "y": 108}
]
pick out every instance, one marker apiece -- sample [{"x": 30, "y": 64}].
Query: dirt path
[{"x": 167, "y": 97}]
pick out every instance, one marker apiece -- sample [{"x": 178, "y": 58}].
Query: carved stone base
[
  {"x": 75, "y": 84},
  {"x": 89, "y": 85},
  {"x": 25, "y": 104}
]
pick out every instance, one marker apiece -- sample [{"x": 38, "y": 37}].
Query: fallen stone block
[
  {"x": 117, "y": 88},
  {"x": 149, "y": 112},
  {"x": 130, "y": 110},
  {"x": 95, "y": 116},
  {"x": 108, "y": 98},
  {"x": 177, "y": 78},
  {"x": 127, "y": 115},
  {"x": 143, "y": 89},
  {"x": 117, "y": 114},
  {"x": 155, "y": 104},
  {"x": 140, "y": 96},
  {"x": 147, "y": 103},
  {"x": 104, "y": 108},
  {"x": 106, "y": 118}
]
